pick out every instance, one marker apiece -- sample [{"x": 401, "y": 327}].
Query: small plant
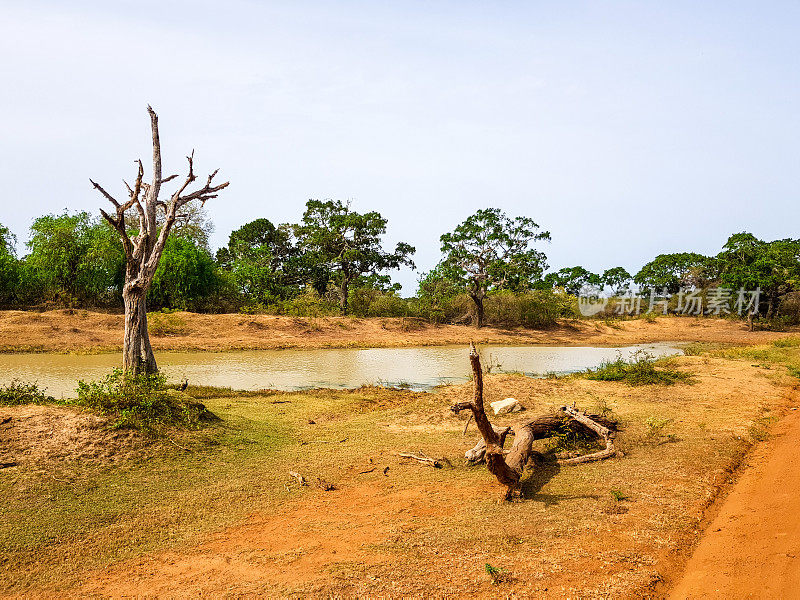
[
  {"x": 619, "y": 495},
  {"x": 141, "y": 402},
  {"x": 19, "y": 392},
  {"x": 492, "y": 364},
  {"x": 639, "y": 370},
  {"x": 656, "y": 427},
  {"x": 650, "y": 317},
  {"x": 788, "y": 342},
  {"x": 496, "y": 575}
]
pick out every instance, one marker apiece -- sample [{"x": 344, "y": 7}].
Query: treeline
[{"x": 493, "y": 269}]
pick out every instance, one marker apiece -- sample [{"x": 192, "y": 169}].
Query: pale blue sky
[{"x": 625, "y": 128}]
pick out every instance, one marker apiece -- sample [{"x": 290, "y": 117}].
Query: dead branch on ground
[{"x": 508, "y": 466}]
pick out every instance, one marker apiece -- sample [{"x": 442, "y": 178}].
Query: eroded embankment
[{"x": 86, "y": 331}]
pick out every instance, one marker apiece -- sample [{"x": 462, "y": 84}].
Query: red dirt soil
[{"x": 752, "y": 548}]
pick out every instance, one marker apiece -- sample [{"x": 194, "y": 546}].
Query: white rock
[{"x": 506, "y": 406}]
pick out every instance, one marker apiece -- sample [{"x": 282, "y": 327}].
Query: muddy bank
[{"x": 90, "y": 332}]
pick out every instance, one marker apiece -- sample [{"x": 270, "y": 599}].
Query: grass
[
  {"x": 19, "y": 392},
  {"x": 641, "y": 369},
  {"x": 784, "y": 352},
  {"x": 417, "y": 522}
]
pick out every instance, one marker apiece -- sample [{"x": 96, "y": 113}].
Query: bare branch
[{"x": 108, "y": 196}]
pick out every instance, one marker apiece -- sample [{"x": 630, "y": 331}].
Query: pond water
[{"x": 419, "y": 368}]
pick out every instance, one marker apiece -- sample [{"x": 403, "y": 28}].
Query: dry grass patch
[{"x": 225, "y": 517}]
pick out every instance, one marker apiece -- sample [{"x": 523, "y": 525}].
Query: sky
[{"x": 626, "y": 129}]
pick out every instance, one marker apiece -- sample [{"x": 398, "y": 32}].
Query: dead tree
[
  {"x": 508, "y": 467},
  {"x": 143, "y": 250}
]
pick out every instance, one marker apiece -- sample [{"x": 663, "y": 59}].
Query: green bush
[
  {"x": 639, "y": 370},
  {"x": 19, "y": 392},
  {"x": 789, "y": 308},
  {"x": 538, "y": 309},
  {"x": 141, "y": 402},
  {"x": 165, "y": 323}
]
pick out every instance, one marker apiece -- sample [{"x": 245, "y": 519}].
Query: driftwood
[
  {"x": 508, "y": 466},
  {"x": 300, "y": 479},
  {"x": 546, "y": 426},
  {"x": 426, "y": 460}
]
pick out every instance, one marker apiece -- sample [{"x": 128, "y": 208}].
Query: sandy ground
[
  {"x": 46, "y": 437},
  {"x": 345, "y": 543},
  {"x": 752, "y": 548},
  {"x": 85, "y": 331}
]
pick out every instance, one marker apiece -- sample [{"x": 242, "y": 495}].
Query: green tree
[
  {"x": 8, "y": 241},
  {"x": 266, "y": 264},
  {"x": 77, "y": 258},
  {"x": 347, "y": 245},
  {"x": 673, "y": 271},
  {"x": 9, "y": 267},
  {"x": 490, "y": 251},
  {"x": 572, "y": 279},
  {"x": 617, "y": 278},
  {"x": 186, "y": 275},
  {"x": 750, "y": 263}
]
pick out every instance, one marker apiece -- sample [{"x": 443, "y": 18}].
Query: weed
[
  {"x": 497, "y": 576},
  {"x": 789, "y": 342},
  {"x": 492, "y": 364},
  {"x": 619, "y": 495},
  {"x": 18, "y": 392},
  {"x": 656, "y": 427},
  {"x": 141, "y": 402},
  {"x": 650, "y": 317},
  {"x": 639, "y": 370}
]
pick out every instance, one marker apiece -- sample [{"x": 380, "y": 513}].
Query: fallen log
[{"x": 507, "y": 467}]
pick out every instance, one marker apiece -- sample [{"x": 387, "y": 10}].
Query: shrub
[
  {"x": 19, "y": 392},
  {"x": 165, "y": 323},
  {"x": 639, "y": 370},
  {"x": 538, "y": 309},
  {"x": 789, "y": 308},
  {"x": 141, "y": 402},
  {"x": 388, "y": 305}
]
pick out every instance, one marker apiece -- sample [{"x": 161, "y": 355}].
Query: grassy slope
[{"x": 416, "y": 529}]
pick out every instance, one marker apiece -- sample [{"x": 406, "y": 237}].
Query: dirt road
[{"x": 752, "y": 547}]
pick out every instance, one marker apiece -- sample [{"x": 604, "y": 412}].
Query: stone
[{"x": 508, "y": 405}]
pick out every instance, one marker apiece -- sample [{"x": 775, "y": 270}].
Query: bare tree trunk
[
  {"x": 137, "y": 355},
  {"x": 345, "y": 291},
  {"x": 143, "y": 252},
  {"x": 480, "y": 312}
]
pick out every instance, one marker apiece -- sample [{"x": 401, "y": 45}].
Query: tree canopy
[
  {"x": 674, "y": 271},
  {"x": 78, "y": 258},
  {"x": 748, "y": 262},
  {"x": 573, "y": 279},
  {"x": 347, "y": 244},
  {"x": 490, "y": 251}
]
